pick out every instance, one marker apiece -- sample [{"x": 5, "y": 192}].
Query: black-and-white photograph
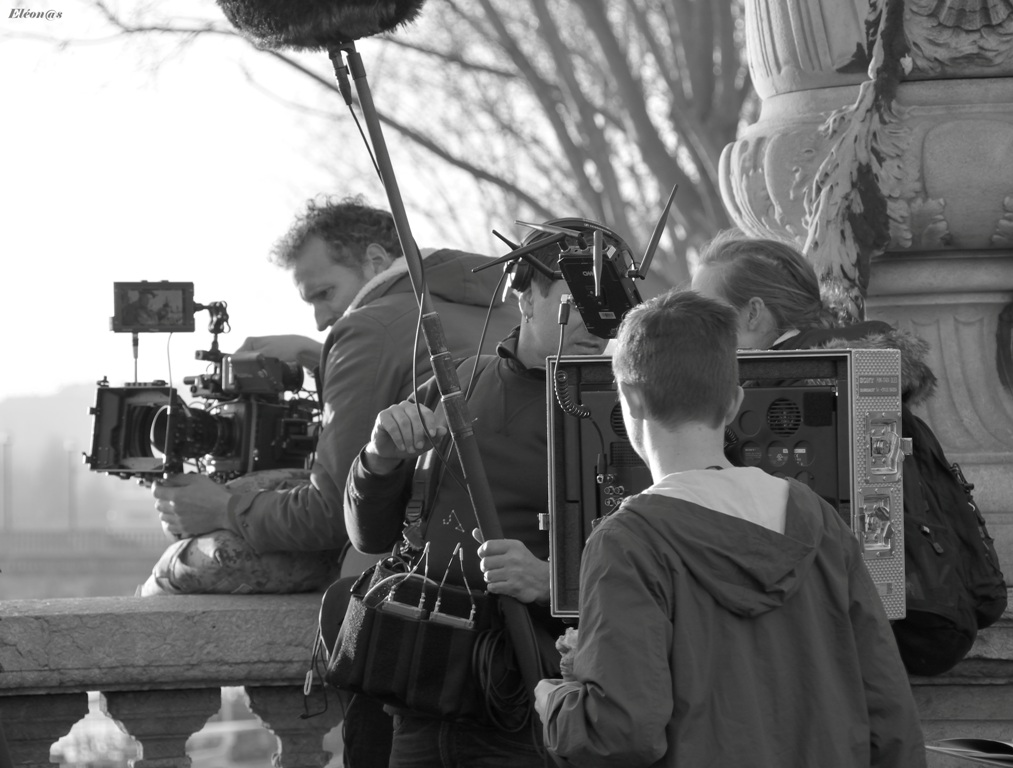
[{"x": 506, "y": 383}]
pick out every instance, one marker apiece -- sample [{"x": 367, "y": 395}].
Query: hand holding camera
[
  {"x": 190, "y": 505},
  {"x": 289, "y": 348}
]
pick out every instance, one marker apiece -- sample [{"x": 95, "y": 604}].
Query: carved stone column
[
  {"x": 33, "y": 723},
  {"x": 300, "y": 724},
  {"x": 943, "y": 159},
  {"x": 162, "y": 721}
]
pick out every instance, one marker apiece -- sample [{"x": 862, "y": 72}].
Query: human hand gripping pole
[
  {"x": 334, "y": 26},
  {"x": 459, "y": 421}
]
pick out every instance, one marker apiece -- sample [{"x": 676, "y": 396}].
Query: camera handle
[{"x": 219, "y": 324}]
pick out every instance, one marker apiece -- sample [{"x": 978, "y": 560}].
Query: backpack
[{"x": 953, "y": 581}]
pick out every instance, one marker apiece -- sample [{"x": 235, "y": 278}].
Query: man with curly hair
[{"x": 346, "y": 261}]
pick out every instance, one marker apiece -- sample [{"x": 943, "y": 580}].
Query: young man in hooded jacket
[{"x": 726, "y": 616}]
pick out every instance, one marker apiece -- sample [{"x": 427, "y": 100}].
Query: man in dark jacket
[
  {"x": 726, "y": 616},
  {"x": 507, "y": 402}
]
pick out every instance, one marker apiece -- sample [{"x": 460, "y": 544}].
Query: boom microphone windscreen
[{"x": 316, "y": 24}]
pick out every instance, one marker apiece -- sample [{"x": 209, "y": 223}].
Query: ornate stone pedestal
[
  {"x": 943, "y": 162},
  {"x": 931, "y": 140},
  {"x": 953, "y": 301}
]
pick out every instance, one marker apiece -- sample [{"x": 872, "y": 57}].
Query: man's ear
[
  {"x": 634, "y": 399},
  {"x": 756, "y": 311},
  {"x": 525, "y": 303},
  {"x": 736, "y": 405},
  {"x": 377, "y": 258}
]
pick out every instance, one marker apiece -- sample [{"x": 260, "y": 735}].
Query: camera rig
[{"x": 250, "y": 413}]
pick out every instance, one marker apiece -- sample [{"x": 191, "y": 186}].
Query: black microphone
[{"x": 316, "y": 25}]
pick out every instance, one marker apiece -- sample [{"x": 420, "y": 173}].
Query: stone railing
[
  {"x": 160, "y": 664},
  {"x": 975, "y": 698}
]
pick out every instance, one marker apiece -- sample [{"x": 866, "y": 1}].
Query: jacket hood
[
  {"x": 448, "y": 276},
  {"x": 748, "y": 569},
  {"x": 918, "y": 382}
]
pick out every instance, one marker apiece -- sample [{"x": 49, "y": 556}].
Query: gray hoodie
[{"x": 721, "y": 627}]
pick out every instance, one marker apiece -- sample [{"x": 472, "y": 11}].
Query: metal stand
[{"x": 518, "y": 620}]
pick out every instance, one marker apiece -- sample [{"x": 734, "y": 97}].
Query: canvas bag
[{"x": 402, "y": 639}]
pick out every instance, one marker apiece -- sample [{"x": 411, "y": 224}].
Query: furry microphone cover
[{"x": 316, "y": 24}]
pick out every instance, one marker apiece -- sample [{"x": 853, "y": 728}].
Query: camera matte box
[{"x": 828, "y": 418}]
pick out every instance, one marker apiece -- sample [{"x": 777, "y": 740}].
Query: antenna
[
  {"x": 549, "y": 229},
  {"x": 596, "y": 260},
  {"x": 652, "y": 247},
  {"x": 523, "y": 251},
  {"x": 513, "y": 246}
]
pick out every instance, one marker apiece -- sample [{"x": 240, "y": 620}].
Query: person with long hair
[{"x": 777, "y": 298}]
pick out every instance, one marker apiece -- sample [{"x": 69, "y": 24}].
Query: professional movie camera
[{"x": 250, "y": 412}]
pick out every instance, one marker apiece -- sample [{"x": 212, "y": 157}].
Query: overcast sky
[{"x": 112, "y": 169}]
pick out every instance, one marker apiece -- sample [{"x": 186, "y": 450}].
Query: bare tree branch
[
  {"x": 593, "y": 106},
  {"x": 450, "y": 57},
  {"x": 642, "y": 129},
  {"x": 419, "y": 138}
]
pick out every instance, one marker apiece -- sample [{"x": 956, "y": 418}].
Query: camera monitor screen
[{"x": 153, "y": 307}]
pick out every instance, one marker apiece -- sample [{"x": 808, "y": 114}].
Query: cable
[
  {"x": 444, "y": 460},
  {"x": 481, "y": 339},
  {"x": 167, "y": 443},
  {"x": 369, "y": 149},
  {"x": 506, "y": 698},
  {"x": 344, "y": 86},
  {"x": 559, "y": 381},
  {"x": 168, "y": 357}
]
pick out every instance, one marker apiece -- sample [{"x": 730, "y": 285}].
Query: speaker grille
[
  {"x": 623, "y": 455},
  {"x": 617, "y": 423},
  {"x": 784, "y": 417}
]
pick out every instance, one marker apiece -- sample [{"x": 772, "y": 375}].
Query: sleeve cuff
[
  {"x": 237, "y": 507},
  {"x": 372, "y": 482}
]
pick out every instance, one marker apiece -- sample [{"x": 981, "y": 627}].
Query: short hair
[
  {"x": 348, "y": 226},
  {"x": 679, "y": 349},
  {"x": 772, "y": 270},
  {"x": 526, "y": 275}
]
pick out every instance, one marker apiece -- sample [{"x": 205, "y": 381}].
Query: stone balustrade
[
  {"x": 975, "y": 698},
  {"x": 160, "y": 664}
]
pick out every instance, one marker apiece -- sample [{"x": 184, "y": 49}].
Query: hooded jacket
[
  {"x": 732, "y": 632},
  {"x": 366, "y": 366}
]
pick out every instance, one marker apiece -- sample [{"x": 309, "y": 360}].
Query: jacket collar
[{"x": 397, "y": 268}]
